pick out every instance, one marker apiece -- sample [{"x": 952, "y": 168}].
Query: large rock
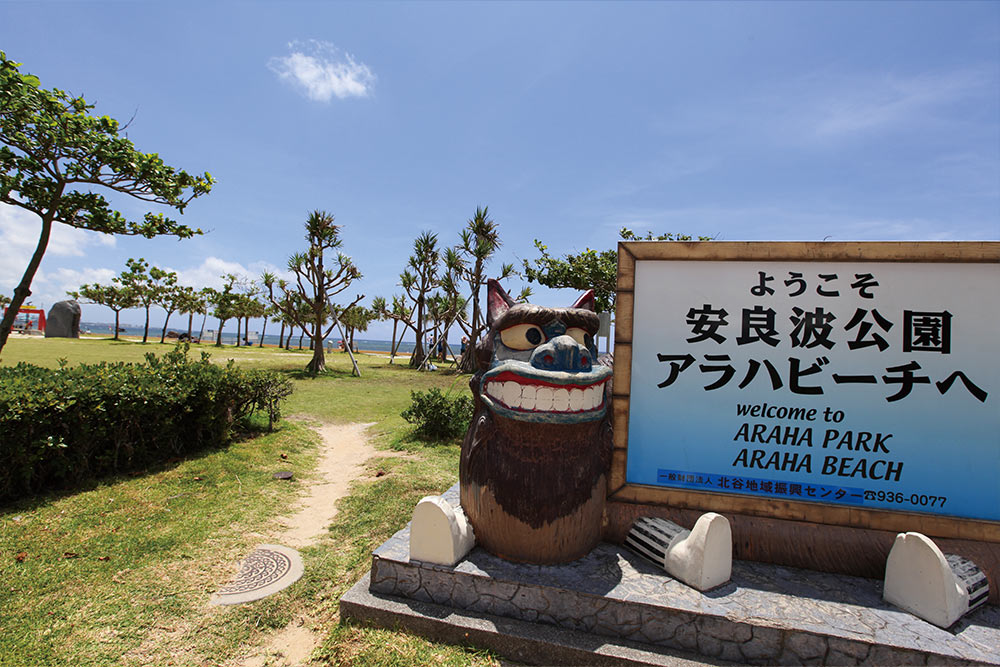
[{"x": 63, "y": 320}]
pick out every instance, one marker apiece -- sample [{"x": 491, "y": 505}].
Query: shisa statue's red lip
[{"x": 508, "y": 376}]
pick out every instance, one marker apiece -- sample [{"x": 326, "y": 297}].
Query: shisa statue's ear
[
  {"x": 586, "y": 301},
  {"x": 498, "y": 301}
]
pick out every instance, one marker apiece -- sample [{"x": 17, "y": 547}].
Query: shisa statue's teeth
[
  {"x": 512, "y": 394},
  {"x": 539, "y": 398},
  {"x": 543, "y": 399}
]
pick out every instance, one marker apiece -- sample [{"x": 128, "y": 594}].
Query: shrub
[
  {"x": 61, "y": 426},
  {"x": 438, "y": 417}
]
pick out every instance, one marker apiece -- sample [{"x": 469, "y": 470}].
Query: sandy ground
[{"x": 343, "y": 454}]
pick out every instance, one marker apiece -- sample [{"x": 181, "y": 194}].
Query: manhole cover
[{"x": 268, "y": 569}]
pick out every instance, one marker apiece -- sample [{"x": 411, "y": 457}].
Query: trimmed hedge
[{"x": 61, "y": 426}]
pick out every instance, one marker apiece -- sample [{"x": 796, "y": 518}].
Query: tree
[
  {"x": 149, "y": 284},
  {"x": 418, "y": 280},
  {"x": 399, "y": 313},
  {"x": 115, "y": 296},
  {"x": 170, "y": 299},
  {"x": 278, "y": 313},
  {"x": 245, "y": 306},
  {"x": 309, "y": 301},
  {"x": 355, "y": 318},
  {"x": 4, "y": 300},
  {"x": 466, "y": 266},
  {"x": 267, "y": 311},
  {"x": 54, "y": 154},
  {"x": 191, "y": 303},
  {"x": 257, "y": 309},
  {"x": 590, "y": 269},
  {"x": 443, "y": 310},
  {"x": 224, "y": 303}
]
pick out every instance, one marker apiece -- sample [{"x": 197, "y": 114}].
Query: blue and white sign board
[{"x": 855, "y": 383}]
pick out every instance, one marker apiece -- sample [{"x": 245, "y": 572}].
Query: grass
[{"x": 120, "y": 572}]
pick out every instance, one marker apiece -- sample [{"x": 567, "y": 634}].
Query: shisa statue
[{"x": 535, "y": 459}]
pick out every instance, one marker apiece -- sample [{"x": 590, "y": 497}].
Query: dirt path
[{"x": 342, "y": 456}]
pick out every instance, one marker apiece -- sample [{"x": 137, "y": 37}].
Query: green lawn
[{"x": 120, "y": 572}]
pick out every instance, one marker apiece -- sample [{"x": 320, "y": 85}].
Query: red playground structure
[{"x": 29, "y": 320}]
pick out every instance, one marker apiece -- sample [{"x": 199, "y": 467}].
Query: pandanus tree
[
  {"x": 399, "y": 312},
  {"x": 418, "y": 280},
  {"x": 318, "y": 277},
  {"x": 56, "y": 158},
  {"x": 466, "y": 272},
  {"x": 356, "y": 318}
]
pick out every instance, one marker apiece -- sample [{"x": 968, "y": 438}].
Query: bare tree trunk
[
  {"x": 392, "y": 345},
  {"x": 117, "y": 313},
  {"x": 190, "y": 322},
  {"x": 23, "y": 289},
  {"x": 318, "y": 363},
  {"x": 163, "y": 334},
  {"x": 281, "y": 336},
  {"x": 417, "y": 358},
  {"x": 263, "y": 330},
  {"x": 145, "y": 331}
]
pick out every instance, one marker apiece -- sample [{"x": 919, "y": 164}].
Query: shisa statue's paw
[
  {"x": 938, "y": 588},
  {"x": 701, "y": 557},
  {"x": 439, "y": 532}
]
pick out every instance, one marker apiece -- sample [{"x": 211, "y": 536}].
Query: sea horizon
[{"x": 229, "y": 337}]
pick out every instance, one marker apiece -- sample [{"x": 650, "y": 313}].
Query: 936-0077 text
[{"x": 918, "y": 499}]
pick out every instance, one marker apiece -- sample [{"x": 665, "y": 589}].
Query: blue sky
[{"x": 745, "y": 121}]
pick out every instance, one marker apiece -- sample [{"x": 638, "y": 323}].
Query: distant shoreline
[{"x": 105, "y": 329}]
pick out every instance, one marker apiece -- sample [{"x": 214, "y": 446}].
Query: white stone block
[
  {"x": 701, "y": 557},
  {"x": 439, "y": 532},
  {"x": 920, "y": 579}
]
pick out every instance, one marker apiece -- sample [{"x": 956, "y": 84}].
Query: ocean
[{"x": 229, "y": 337}]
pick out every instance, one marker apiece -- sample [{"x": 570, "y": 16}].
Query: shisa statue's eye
[
  {"x": 522, "y": 336},
  {"x": 580, "y": 336}
]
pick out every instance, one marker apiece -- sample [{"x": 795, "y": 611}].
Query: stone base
[
  {"x": 766, "y": 614},
  {"x": 523, "y": 641}
]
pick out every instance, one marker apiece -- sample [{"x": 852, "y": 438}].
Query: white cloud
[
  {"x": 826, "y": 107},
  {"x": 19, "y": 230},
  {"x": 69, "y": 280},
  {"x": 321, "y": 71},
  {"x": 211, "y": 271},
  {"x": 883, "y": 101}
]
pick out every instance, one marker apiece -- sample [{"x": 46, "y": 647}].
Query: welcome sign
[{"x": 804, "y": 376}]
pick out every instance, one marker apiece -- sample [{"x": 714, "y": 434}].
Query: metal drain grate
[{"x": 268, "y": 569}]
